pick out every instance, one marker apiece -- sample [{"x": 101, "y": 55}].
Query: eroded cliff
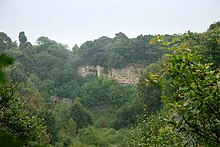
[{"x": 127, "y": 75}]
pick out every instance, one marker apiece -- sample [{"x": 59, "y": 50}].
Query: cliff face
[{"x": 127, "y": 75}]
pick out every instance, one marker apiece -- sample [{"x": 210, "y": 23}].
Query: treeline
[{"x": 118, "y": 51}]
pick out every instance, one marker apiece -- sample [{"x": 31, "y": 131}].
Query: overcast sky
[{"x": 76, "y": 21}]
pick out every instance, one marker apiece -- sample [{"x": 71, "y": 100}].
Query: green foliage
[
  {"x": 104, "y": 92},
  {"x": 118, "y": 51},
  {"x": 92, "y": 136},
  {"x": 14, "y": 119},
  {"x": 52, "y": 72},
  {"x": 67, "y": 134},
  {"x": 150, "y": 94},
  {"x": 23, "y": 41},
  {"x": 79, "y": 114},
  {"x": 9, "y": 141},
  {"x": 19, "y": 122},
  {"x": 153, "y": 131},
  {"x": 5, "y": 42},
  {"x": 189, "y": 84},
  {"x": 195, "y": 93},
  {"x": 50, "y": 122},
  {"x": 4, "y": 62},
  {"x": 211, "y": 43},
  {"x": 22, "y": 37},
  {"x": 214, "y": 25},
  {"x": 126, "y": 116},
  {"x": 49, "y": 69},
  {"x": 89, "y": 136},
  {"x": 51, "y": 47},
  {"x": 32, "y": 99}
]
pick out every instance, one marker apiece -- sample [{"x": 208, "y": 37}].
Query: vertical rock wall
[{"x": 127, "y": 75}]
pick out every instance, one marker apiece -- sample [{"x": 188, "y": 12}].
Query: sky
[{"x": 77, "y": 21}]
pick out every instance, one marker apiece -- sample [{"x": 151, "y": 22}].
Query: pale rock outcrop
[{"x": 130, "y": 74}]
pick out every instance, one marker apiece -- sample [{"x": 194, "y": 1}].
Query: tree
[
  {"x": 79, "y": 114},
  {"x": 150, "y": 95},
  {"x": 5, "y": 42},
  {"x": 104, "y": 92},
  {"x": 15, "y": 121},
  {"x": 22, "y": 39},
  {"x": 20, "y": 123},
  {"x": 214, "y": 25},
  {"x": 89, "y": 136},
  {"x": 154, "y": 131},
  {"x": 127, "y": 115},
  {"x": 211, "y": 42},
  {"x": 195, "y": 99},
  {"x": 4, "y": 62}
]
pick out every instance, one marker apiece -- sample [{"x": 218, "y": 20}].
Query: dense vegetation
[
  {"x": 45, "y": 102},
  {"x": 118, "y": 51}
]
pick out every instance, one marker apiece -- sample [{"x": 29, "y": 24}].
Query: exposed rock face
[{"x": 128, "y": 75}]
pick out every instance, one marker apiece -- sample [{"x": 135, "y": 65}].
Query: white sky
[{"x": 76, "y": 21}]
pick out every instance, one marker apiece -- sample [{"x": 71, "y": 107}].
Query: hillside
[{"x": 148, "y": 91}]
